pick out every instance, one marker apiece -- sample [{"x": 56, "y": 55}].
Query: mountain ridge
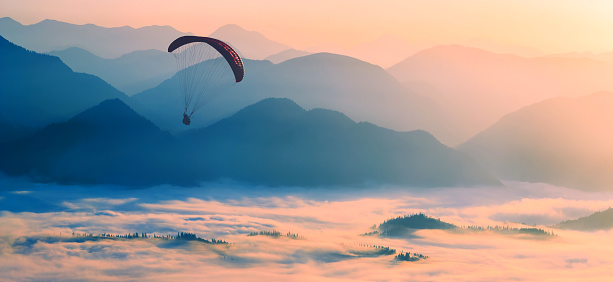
[{"x": 549, "y": 142}]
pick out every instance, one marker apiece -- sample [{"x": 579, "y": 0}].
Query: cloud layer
[{"x": 40, "y": 245}]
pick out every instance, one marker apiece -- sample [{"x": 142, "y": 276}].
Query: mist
[{"x": 329, "y": 221}]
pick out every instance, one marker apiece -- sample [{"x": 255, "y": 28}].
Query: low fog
[{"x": 37, "y": 241}]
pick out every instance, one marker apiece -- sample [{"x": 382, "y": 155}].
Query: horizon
[{"x": 548, "y": 26}]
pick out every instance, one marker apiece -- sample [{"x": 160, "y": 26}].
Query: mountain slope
[
  {"x": 38, "y": 89},
  {"x": 286, "y": 55},
  {"x": 131, "y": 73},
  {"x": 276, "y": 142},
  {"x": 564, "y": 141},
  {"x": 51, "y": 35},
  {"x": 250, "y": 44},
  {"x": 477, "y": 87},
  {"x": 273, "y": 142},
  {"x": 362, "y": 91},
  {"x": 602, "y": 220},
  {"x": 108, "y": 143}
]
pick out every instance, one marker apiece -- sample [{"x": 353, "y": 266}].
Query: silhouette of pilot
[{"x": 186, "y": 119}]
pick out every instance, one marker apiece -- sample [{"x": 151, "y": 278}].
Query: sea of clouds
[{"x": 38, "y": 220}]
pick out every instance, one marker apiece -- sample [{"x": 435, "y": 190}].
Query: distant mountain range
[
  {"x": 51, "y": 35},
  {"x": 602, "y": 220},
  {"x": 564, "y": 141},
  {"x": 249, "y": 44},
  {"x": 605, "y": 57},
  {"x": 39, "y": 89},
  {"x": 477, "y": 87},
  {"x": 384, "y": 51},
  {"x": 286, "y": 55},
  {"x": 502, "y": 48},
  {"x": 273, "y": 142},
  {"x": 362, "y": 91},
  {"x": 277, "y": 142},
  {"x": 131, "y": 73}
]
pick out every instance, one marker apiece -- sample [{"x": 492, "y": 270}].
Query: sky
[{"x": 551, "y": 26}]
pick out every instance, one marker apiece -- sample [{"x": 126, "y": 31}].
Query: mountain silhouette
[
  {"x": 404, "y": 225},
  {"x": 384, "y": 51},
  {"x": 605, "y": 57},
  {"x": 164, "y": 104},
  {"x": 362, "y": 91},
  {"x": 273, "y": 142},
  {"x": 564, "y": 141},
  {"x": 249, "y": 44},
  {"x": 286, "y": 55},
  {"x": 276, "y": 142},
  {"x": 39, "y": 89},
  {"x": 476, "y": 87},
  {"x": 108, "y": 143},
  {"x": 602, "y": 220},
  {"x": 131, "y": 73},
  {"x": 51, "y": 35}
]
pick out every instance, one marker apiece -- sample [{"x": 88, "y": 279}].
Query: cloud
[{"x": 331, "y": 246}]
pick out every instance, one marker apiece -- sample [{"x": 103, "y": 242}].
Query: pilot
[{"x": 186, "y": 119}]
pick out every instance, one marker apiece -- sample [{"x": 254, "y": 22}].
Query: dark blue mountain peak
[{"x": 115, "y": 114}]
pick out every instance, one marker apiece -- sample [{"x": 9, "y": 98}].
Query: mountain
[
  {"x": 273, "y": 142},
  {"x": 108, "y": 143},
  {"x": 477, "y": 87},
  {"x": 405, "y": 225},
  {"x": 563, "y": 141},
  {"x": 502, "y": 48},
  {"x": 131, "y": 73},
  {"x": 12, "y": 132},
  {"x": 362, "y": 91},
  {"x": 286, "y": 55},
  {"x": 385, "y": 51},
  {"x": 163, "y": 104},
  {"x": 51, "y": 35},
  {"x": 605, "y": 57},
  {"x": 37, "y": 89},
  {"x": 250, "y": 44},
  {"x": 602, "y": 220},
  {"x": 276, "y": 142}
]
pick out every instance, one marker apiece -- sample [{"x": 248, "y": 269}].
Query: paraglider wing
[{"x": 233, "y": 59}]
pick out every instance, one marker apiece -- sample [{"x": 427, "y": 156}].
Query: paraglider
[{"x": 206, "y": 67}]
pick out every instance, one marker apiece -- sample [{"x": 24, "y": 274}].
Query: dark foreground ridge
[{"x": 273, "y": 142}]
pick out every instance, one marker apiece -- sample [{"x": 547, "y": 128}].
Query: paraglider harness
[{"x": 186, "y": 119}]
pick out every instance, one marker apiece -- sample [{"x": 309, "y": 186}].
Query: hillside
[
  {"x": 249, "y": 44},
  {"x": 362, "y": 91},
  {"x": 550, "y": 142},
  {"x": 477, "y": 87},
  {"x": 131, "y": 73},
  {"x": 51, "y": 35},
  {"x": 276, "y": 142},
  {"x": 406, "y": 223},
  {"x": 39, "y": 89},
  {"x": 602, "y": 220},
  {"x": 286, "y": 55},
  {"x": 108, "y": 144}
]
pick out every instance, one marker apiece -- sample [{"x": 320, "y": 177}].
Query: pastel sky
[{"x": 548, "y": 25}]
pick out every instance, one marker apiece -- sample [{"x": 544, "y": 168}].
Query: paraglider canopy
[
  {"x": 206, "y": 67},
  {"x": 233, "y": 59}
]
